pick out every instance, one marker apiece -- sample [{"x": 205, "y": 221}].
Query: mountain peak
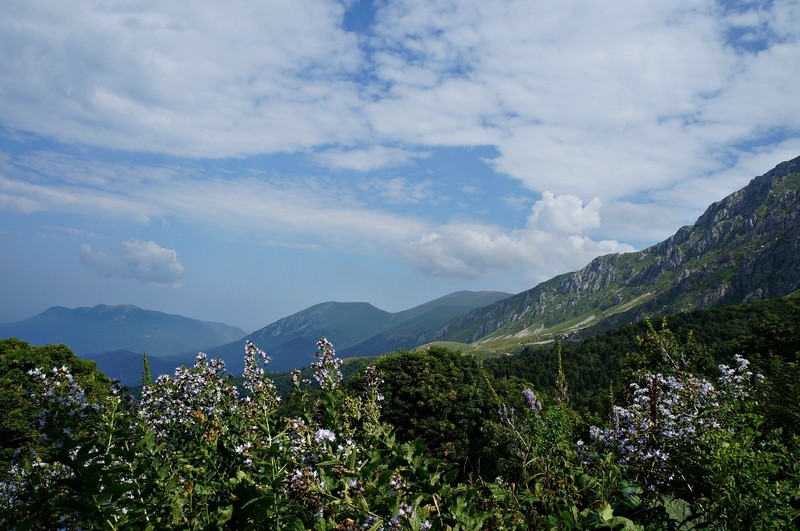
[{"x": 354, "y": 327}]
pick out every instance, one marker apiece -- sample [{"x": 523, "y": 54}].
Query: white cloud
[
  {"x": 600, "y": 99},
  {"x": 268, "y": 208},
  {"x": 204, "y": 80},
  {"x": 142, "y": 260},
  {"x": 551, "y": 243},
  {"x": 564, "y": 214}
]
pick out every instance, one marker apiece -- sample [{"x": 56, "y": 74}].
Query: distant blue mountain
[
  {"x": 355, "y": 329},
  {"x": 117, "y": 336},
  {"x": 127, "y": 366},
  {"x": 93, "y": 332}
]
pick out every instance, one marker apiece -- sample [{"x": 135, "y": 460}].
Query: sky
[{"x": 241, "y": 161}]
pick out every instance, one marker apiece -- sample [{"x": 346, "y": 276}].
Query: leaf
[
  {"x": 607, "y": 513},
  {"x": 294, "y": 524},
  {"x": 678, "y": 509},
  {"x": 224, "y": 514}
]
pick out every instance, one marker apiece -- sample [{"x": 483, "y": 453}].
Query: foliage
[
  {"x": 698, "y": 444},
  {"x": 194, "y": 453},
  {"x": 440, "y": 396},
  {"x": 767, "y": 331},
  {"x": 18, "y": 414},
  {"x": 418, "y": 440}
]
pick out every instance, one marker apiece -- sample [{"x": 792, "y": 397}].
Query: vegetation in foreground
[{"x": 417, "y": 440}]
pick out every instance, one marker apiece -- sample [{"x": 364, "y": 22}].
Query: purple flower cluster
[
  {"x": 327, "y": 366},
  {"x": 667, "y": 418},
  {"x": 59, "y": 391},
  {"x": 530, "y": 398},
  {"x": 190, "y": 399},
  {"x": 735, "y": 382},
  {"x": 262, "y": 389},
  {"x": 507, "y": 415}
]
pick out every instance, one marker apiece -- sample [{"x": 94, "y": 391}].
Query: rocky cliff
[{"x": 743, "y": 248}]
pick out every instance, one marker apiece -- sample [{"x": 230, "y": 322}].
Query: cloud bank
[
  {"x": 551, "y": 242},
  {"x": 563, "y": 91},
  {"x": 645, "y": 111}
]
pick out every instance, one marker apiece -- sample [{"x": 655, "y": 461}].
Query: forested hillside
[
  {"x": 703, "y": 433},
  {"x": 766, "y": 332}
]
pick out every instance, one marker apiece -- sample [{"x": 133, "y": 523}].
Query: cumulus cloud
[
  {"x": 564, "y": 214},
  {"x": 551, "y": 242},
  {"x": 141, "y": 260}
]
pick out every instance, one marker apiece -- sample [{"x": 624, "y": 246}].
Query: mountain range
[
  {"x": 355, "y": 328},
  {"x": 743, "y": 248},
  {"x": 103, "y": 328},
  {"x": 116, "y": 336}
]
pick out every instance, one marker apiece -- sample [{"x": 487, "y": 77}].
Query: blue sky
[{"x": 241, "y": 161}]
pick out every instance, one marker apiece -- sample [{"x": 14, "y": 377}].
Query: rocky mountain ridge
[{"x": 744, "y": 247}]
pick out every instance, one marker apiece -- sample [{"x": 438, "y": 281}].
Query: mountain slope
[
  {"x": 416, "y": 323},
  {"x": 102, "y": 328},
  {"x": 127, "y": 366},
  {"x": 745, "y": 247},
  {"x": 291, "y": 342}
]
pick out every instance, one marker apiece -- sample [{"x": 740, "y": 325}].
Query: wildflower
[
  {"x": 296, "y": 373},
  {"x": 327, "y": 366},
  {"x": 242, "y": 448},
  {"x": 533, "y": 403},
  {"x": 506, "y": 414},
  {"x": 324, "y": 435}
]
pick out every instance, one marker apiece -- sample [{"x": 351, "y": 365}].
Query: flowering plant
[{"x": 197, "y": 451}]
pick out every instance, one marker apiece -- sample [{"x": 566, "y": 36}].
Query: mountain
[
  {"x": 355, "y": 328},
  {"x": 413, "y": 325},
  {"x": 91, "y": 331},
  {"x": 743, "y": 248},
  {"x": 127, "y": 366}
]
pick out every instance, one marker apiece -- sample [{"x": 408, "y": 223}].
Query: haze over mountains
[
  {"x": 355, "y": 328},
  {"x": 743, "y": 248},
  {"x": 117, "y": 336}
]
